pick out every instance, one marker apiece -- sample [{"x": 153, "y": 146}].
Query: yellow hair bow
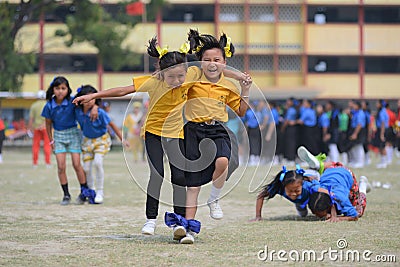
[
  {"x": 227, "y": 47},
  {"x": 162, "y": 51},
  {"x": 199, "y": 48},
  {"x": 185, "y": 48}
]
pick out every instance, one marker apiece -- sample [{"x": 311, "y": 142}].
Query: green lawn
[{"x": 37, "y": 231}]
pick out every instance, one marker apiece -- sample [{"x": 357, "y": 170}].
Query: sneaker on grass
[
  {"x": 179, "y": 232},
  {"x": 65, "y": 201},
  {"x": 215, "y": 210},
  {"x": 188, "y": 239},
  {"x": 149, "y": 227}
]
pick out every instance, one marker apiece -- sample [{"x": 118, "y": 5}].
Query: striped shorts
[{"x": 67, "y": 141}]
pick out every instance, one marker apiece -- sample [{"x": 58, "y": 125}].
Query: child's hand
[
  {"x": 82, "y": 99},
  {"x": 94, "y": 113},
  {"x": 256, "y": 219},
  {"x": 125, "y": 143},
  {"x": 245, "y": 79}
]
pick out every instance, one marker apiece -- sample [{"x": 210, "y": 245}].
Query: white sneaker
[
  {"x": 381, "y": 166},
  {"x": 357, "y": 165},
  {"x": 188, "y": 239},
  {"x": 306, "y": 156},
  {"x": 376, "y": 184},
  {"x": 386, "y": 186},
  {"x": 215, "y": 210},
  {"x": 149, "y": 227},
  {"x": 99, "y": 198},
  {"x": 364, "y": 179},
  {"x": 179, "y": 232}
]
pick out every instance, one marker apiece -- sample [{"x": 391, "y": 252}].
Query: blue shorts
[{"x": 67, "y": 141}]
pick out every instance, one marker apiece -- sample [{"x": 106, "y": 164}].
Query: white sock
[
  {"x": 214, "y": 194},
  {"x": 389, "y": 154},
  {"x": 383, "y": 159},
  {"x": 362, "y": 187}
]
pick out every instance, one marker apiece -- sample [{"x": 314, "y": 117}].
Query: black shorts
[{"x": 215, "y": 144}]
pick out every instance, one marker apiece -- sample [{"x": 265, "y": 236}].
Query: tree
[
  {"x": 13, "y": 65},
  {"x": 90, "y": 23}
]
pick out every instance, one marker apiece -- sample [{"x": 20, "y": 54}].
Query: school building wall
[{"x": 277, "y": 41}]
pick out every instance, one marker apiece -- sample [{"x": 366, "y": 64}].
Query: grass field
[{"x": 37, "y": 231}]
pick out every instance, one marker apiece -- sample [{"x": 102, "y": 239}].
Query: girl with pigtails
[
  {"x": 294, "y": 185},
  {"x": 206, "y": 112},
  {"x": 163, "y": 127}
]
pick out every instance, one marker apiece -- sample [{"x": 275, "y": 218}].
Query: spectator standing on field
[{"x": 37, "y": 126}]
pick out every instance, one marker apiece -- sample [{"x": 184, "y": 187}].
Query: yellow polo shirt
[
  {"x": 207, "y": 100},
  {"x": 164, "y": 117},
  {"x": 35, "y": 112}
]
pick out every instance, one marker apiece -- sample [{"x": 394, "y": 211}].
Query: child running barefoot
[
  {"x": 60, "y": 116},
  {"x": 338, "y": 192},
  {"x": 294, "y": 185},
  {"x": 96, "y": 140}
]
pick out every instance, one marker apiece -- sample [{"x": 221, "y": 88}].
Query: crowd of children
[
  {"x": 201, "y": 96},
  {"x": 349, "y": 133}
]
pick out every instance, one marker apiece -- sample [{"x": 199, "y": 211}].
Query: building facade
[{"x": 336, "y": 49}]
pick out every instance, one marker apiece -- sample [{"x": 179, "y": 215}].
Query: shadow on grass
[
  {"x": 136, "y": 238},
  {"x": 310, "y": 218}
]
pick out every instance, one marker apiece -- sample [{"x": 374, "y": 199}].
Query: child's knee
[{"x": 221, "y": 163}]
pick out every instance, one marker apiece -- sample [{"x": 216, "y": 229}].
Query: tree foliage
[
  {"x": 90, "y": 23},
  {"x": 13, "y": 65}
]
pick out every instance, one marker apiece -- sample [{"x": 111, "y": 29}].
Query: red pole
[
  {"x": 100, "y": 71},
  {"x": 362, "y": 59},
  {"x": 276, "y": 43},
  {"x": 305, "y": 44},
  {"x": 41, "y": 50},
  {"x": 246, "y": 36},
  {"x": 216, "y": 17},
  {"x": 159, "y": 21}
]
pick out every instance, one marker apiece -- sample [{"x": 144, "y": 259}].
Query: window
[
  {"x": 332, "y": 14},
  {"x": 69, "y": 63},
  {"x": 382, "y": 15},
  {"x": 382, "y": 64},
  {"x": 261, "y": 63},
  {"x": 188, "y": 13},
  {"x": 231, "y": 13},
  {"x": 338, "y": 64}
]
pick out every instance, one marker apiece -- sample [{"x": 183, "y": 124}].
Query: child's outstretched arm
[
  {"x": 237, "y": 75},
  {"x": 245, "y": 84},
  {"x": 118, "y": 133},
  {"x": 49, "y": 128},
  {"x": 113, "y": 92},
  {"x": 259, "y": 205}
]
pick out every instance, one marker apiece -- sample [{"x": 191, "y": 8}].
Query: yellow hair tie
[
  {"x": 199, "y": 48},
  {"x": 185, "y": 48},
  {"x": 227, "y": 47},
  {"x": 162, "y": 51}
]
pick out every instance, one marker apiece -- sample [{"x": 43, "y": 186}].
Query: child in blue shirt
[
  {"x": 294, "y": 185},
  {"x": 96, "y": 140},
  {"x": 59, "y": 113},
  {"x": 337, "y": 192}
]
